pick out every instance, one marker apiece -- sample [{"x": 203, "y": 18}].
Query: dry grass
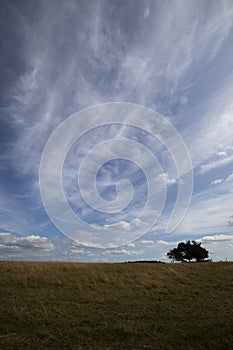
[{"x": 116, "y": 306}]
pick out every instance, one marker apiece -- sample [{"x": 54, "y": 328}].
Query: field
[{"x": 116, "y": 306}]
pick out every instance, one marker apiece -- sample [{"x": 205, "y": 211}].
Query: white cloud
[
  {"x": 221, "y": 153},
  {"x": 137, "y": 222},
  {"x": 216, "y": 239},
  {"x": 9, "y": 242},
  {"x": 131, "y": 245},
  {"x": 209, "y": 211},
  {"x": 215, "y": 163},
  {"x": 165, "y": 243},
  {"x": 229, "y": 178},
  {"x": 167, "y": 179},
  {"x": 120, "y": 226},
  {"x": 123, "y": 252},
  {"x": 141, "y": 73},
  {"x": 147, "y": 242},
  {"x": 77, "y": 251},
  {"x": 217, "y": 181}
]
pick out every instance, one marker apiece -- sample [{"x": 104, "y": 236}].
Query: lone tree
[{"x": 185, "y": 252}]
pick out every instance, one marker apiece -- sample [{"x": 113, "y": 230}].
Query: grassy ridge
[{"x": 116, "y": 306}]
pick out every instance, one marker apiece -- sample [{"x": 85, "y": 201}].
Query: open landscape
[
  {"x": 116, "y": 176},
  {"x": 46, "y": 305}
]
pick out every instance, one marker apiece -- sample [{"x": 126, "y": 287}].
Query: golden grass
[{"x": 116, "y": 306}]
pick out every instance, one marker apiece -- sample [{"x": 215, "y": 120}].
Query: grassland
[{"x": 116, "y": 306}]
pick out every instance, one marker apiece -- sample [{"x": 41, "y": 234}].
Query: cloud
[
  {"x": 124, "y": 252},
  {"x": 119, "y": 226},
  {"x": 216, "y": 239},
  {"x": 217, "y": 181},
  {"x": 215, "y": 163},
  {"x": 165, "y": 243},
  {"x": 77, "y": 251},
  {"x": 125, "y": 68},
  {"x": 169, "y": 181},
  {"x": 221, "y": 153},
  {"x": 137, "y": 222},
  {"x": 209, "y": 211},
  {"x": 11, "y": 243},
  {"x": 158, "y": 243},
  {"x": 230, "y": 221},
  {"x": 229, "y": 178},
  {"x": 147, "y": 242},
  {"x": 131, "y": 245}
]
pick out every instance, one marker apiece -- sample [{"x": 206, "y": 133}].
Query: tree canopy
[{"x": 187, "y": 251}]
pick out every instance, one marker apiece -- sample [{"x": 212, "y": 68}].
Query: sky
[{"x": 116, "y": 121}]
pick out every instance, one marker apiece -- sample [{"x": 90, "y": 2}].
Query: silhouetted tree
[
  {"x": 199, "y": 253},
  {"x": 187, "y": 251}
]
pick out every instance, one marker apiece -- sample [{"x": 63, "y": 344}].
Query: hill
[{"x": 116, "y": 306}]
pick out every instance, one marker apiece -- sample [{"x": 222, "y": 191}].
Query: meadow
[{"x": 85, "y": 306}]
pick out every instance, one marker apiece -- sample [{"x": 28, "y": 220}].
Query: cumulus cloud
[{"x": 11, "y": 243}]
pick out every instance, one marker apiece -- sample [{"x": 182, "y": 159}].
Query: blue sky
[{"x": 58, "y": 58}]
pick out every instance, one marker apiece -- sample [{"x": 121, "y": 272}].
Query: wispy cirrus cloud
[
  {"x": 215, "y": 163},
  {"x": 44, "y": 89}
]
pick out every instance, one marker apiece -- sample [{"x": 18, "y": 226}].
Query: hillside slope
[{"x": 116, "y": 306}]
